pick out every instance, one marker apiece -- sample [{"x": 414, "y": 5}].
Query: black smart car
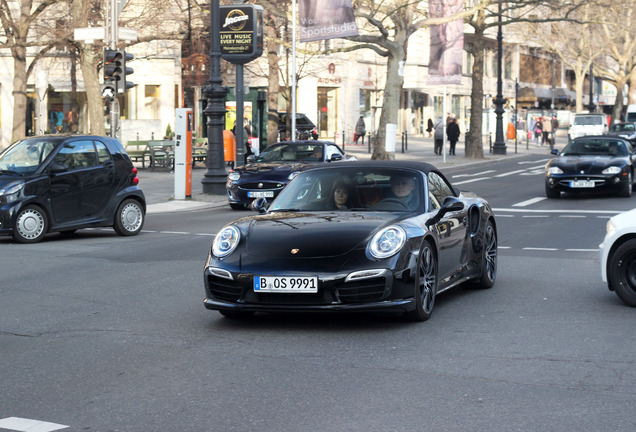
[
  {"x": 599, "y": 163},
  {"x": 62, "y": 183}
]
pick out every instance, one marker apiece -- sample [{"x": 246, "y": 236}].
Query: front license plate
[
  {"x": 261, "y": 194},
  {"x": 581, "y": 184},
  {"x": 285, "y": 284}
]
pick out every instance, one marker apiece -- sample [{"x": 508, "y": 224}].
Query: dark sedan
[
  {"x": 625, "y": 130},
  {"x": 62, "y": 183},
  {"x": 265, "y": 175},
  {"x": 380, "y": 236},
  {"x": 592, "y": 163}
]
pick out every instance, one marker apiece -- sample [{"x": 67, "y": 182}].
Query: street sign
[
  {"x": 90, "y": 34},
  {"x": 241, "y": 32}
]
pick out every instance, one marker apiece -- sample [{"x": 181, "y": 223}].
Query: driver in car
[{"x": 403, "y": 187}]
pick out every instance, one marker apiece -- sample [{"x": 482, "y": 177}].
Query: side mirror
[
  {"x": 335, "y": 157},
  {"x": 554, "y": 152},
  {"x": 57, "y": 167},
  {"x": 450, "y": 204},
  {"x": 251, "y": 159},
  {"x": 259, "y": 205}
]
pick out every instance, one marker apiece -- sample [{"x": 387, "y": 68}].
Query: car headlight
[
  {"x": 10, "y": 193},
  {"x": 609, "y": 227},
  {"x": 292, "y": 175},
  {"x": 234, "y": 176},
  {"x": 387, "y": 242},
  {"x": 612, "y": 170},
  {"x": 554, "y": 170},
  {"x": 226, "y": 241}
]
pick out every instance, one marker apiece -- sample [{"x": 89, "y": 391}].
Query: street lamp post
[
  {"x": 215, "y": 176},
  {"x": 499, "y": 146}
]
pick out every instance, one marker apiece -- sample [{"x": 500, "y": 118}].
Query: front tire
[
  {"x": 425, "y": 285},
  {"x": 621, "y": 272},
  {"x": 626, "y": 190},
  {"x": 489, "y": 258},
  {"x": 31, "y": 225},
  {"x": 129, "y": 218},
  {"x": 551, "y": 193}
]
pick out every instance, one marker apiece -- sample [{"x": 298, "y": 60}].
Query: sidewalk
[{"x": 158, "y": 186}]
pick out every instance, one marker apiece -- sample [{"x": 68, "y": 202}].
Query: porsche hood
[{"x": 307, "y": 235}]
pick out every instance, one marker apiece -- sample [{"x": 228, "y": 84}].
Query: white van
[
  {"x": 588, "y": 124},
  {"x": 630, "y": 113}
]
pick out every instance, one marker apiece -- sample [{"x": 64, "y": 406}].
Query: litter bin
[{"x": 229, "y": 147}]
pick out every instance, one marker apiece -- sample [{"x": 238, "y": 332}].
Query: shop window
[{"x": 152, "y": 101}]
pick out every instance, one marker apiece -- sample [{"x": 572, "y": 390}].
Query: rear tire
[
  {"x": 621, "y": 272},
  {"x": 425, "y": 285},
  {"x": 31, "y": 225},
  {"x": 129, "y": 218}
]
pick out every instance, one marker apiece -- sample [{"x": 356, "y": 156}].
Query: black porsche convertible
[
  {"x": 381, "y": 236},
  {"x": 600, "y": 163}
]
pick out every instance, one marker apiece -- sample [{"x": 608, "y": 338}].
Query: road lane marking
[
  {"x": 535, "y": 216},
  {"x": 534, "y": 161},
  {"x": 475, "y": 174},
  {"x": 528, "y": 202},
  {"x": 514, "y": 210},
  {"x": 572, "y": 216},
  {"x": 581, "y": 250},
  {"x": 28, "y": 425},
  {"x": 540, "y": 249},
  {"x": 510, "y": 173},
  {"x": 472, "y": 180}
]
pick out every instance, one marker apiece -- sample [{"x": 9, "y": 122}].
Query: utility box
[{"x": 183, "y": 154}]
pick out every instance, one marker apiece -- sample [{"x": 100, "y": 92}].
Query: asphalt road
[{"x": 104, "y": 333}]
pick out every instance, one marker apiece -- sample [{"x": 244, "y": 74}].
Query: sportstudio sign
[{"x": 241, "y": 33}]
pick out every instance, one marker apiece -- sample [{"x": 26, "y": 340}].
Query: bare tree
[
  {"x": 386, "y": 30},
  {"x": 17, "y": 23}
]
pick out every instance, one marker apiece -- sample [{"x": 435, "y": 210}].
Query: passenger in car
[{"x": 341, "y": 197}]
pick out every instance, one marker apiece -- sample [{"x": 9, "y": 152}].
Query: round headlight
[
  {"x": 612, "y": 170},
  {"x": 226, "y": 241},
  {"x": 234, "y": 176},
  {"x": 387, "y": 242}
]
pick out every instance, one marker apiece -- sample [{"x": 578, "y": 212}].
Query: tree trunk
[
  {"x": 474, "y": 137},
  {"x": 19, "y": 89},
  {"x": 89, "y": 58},
  {"x": 273, "y": 83},
  {"x": 391, "y": 100}
]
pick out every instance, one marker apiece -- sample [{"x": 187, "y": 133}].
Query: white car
[
  {"x": 588, "y": 124},
  {"x": 618, "y": 256}
]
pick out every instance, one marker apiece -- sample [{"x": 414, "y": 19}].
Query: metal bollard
[
  {"x": 343, "y": 140},
  {"x": 402, "y": 142}
]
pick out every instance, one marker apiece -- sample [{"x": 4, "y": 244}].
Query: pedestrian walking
[
  {"x": 430, "y": 127},
  {"x": 546, "y": 127},
  {"x": 360, "y": 131},
  {"x": 555, "y": 127},
  {"x": 452, "y": 133},
  {"x": 439, "y": 135}
]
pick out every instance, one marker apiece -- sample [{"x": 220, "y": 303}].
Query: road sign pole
[{"x": 114, "y": 103}]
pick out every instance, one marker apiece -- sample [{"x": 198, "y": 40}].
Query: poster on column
[
  {"x": 325, "y": 19},
  {"x": 447, "y": 44}
]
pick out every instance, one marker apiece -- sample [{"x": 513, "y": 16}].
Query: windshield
[
  {"x": 595, "y": 147},
  {"x": 588, "y": 120},
  {"x": 24, "y": 157},
  {"x": 623, "y": 127},
  {"x": 292, "y": 152},
  {"x": 352, "y": 189}
]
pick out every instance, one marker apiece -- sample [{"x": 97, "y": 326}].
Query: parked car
[
  {"x": 62, "y": 183},
  {"x": 265, "y": 175},
  {"x": 403, "y": 235},
  {"x": 625, "y": 130},
  {"x": 592, "y": 163},
  {"x": 618, "y": 256},
  {"x": 588, "y": 124},
  {"x": 305, "y": 128}
]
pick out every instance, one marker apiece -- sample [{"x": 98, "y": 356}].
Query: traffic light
[
  {"x": 116, "y": 71},
  {"x": 127, "y": 71},
  {"x": 113, "y": 67}
]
